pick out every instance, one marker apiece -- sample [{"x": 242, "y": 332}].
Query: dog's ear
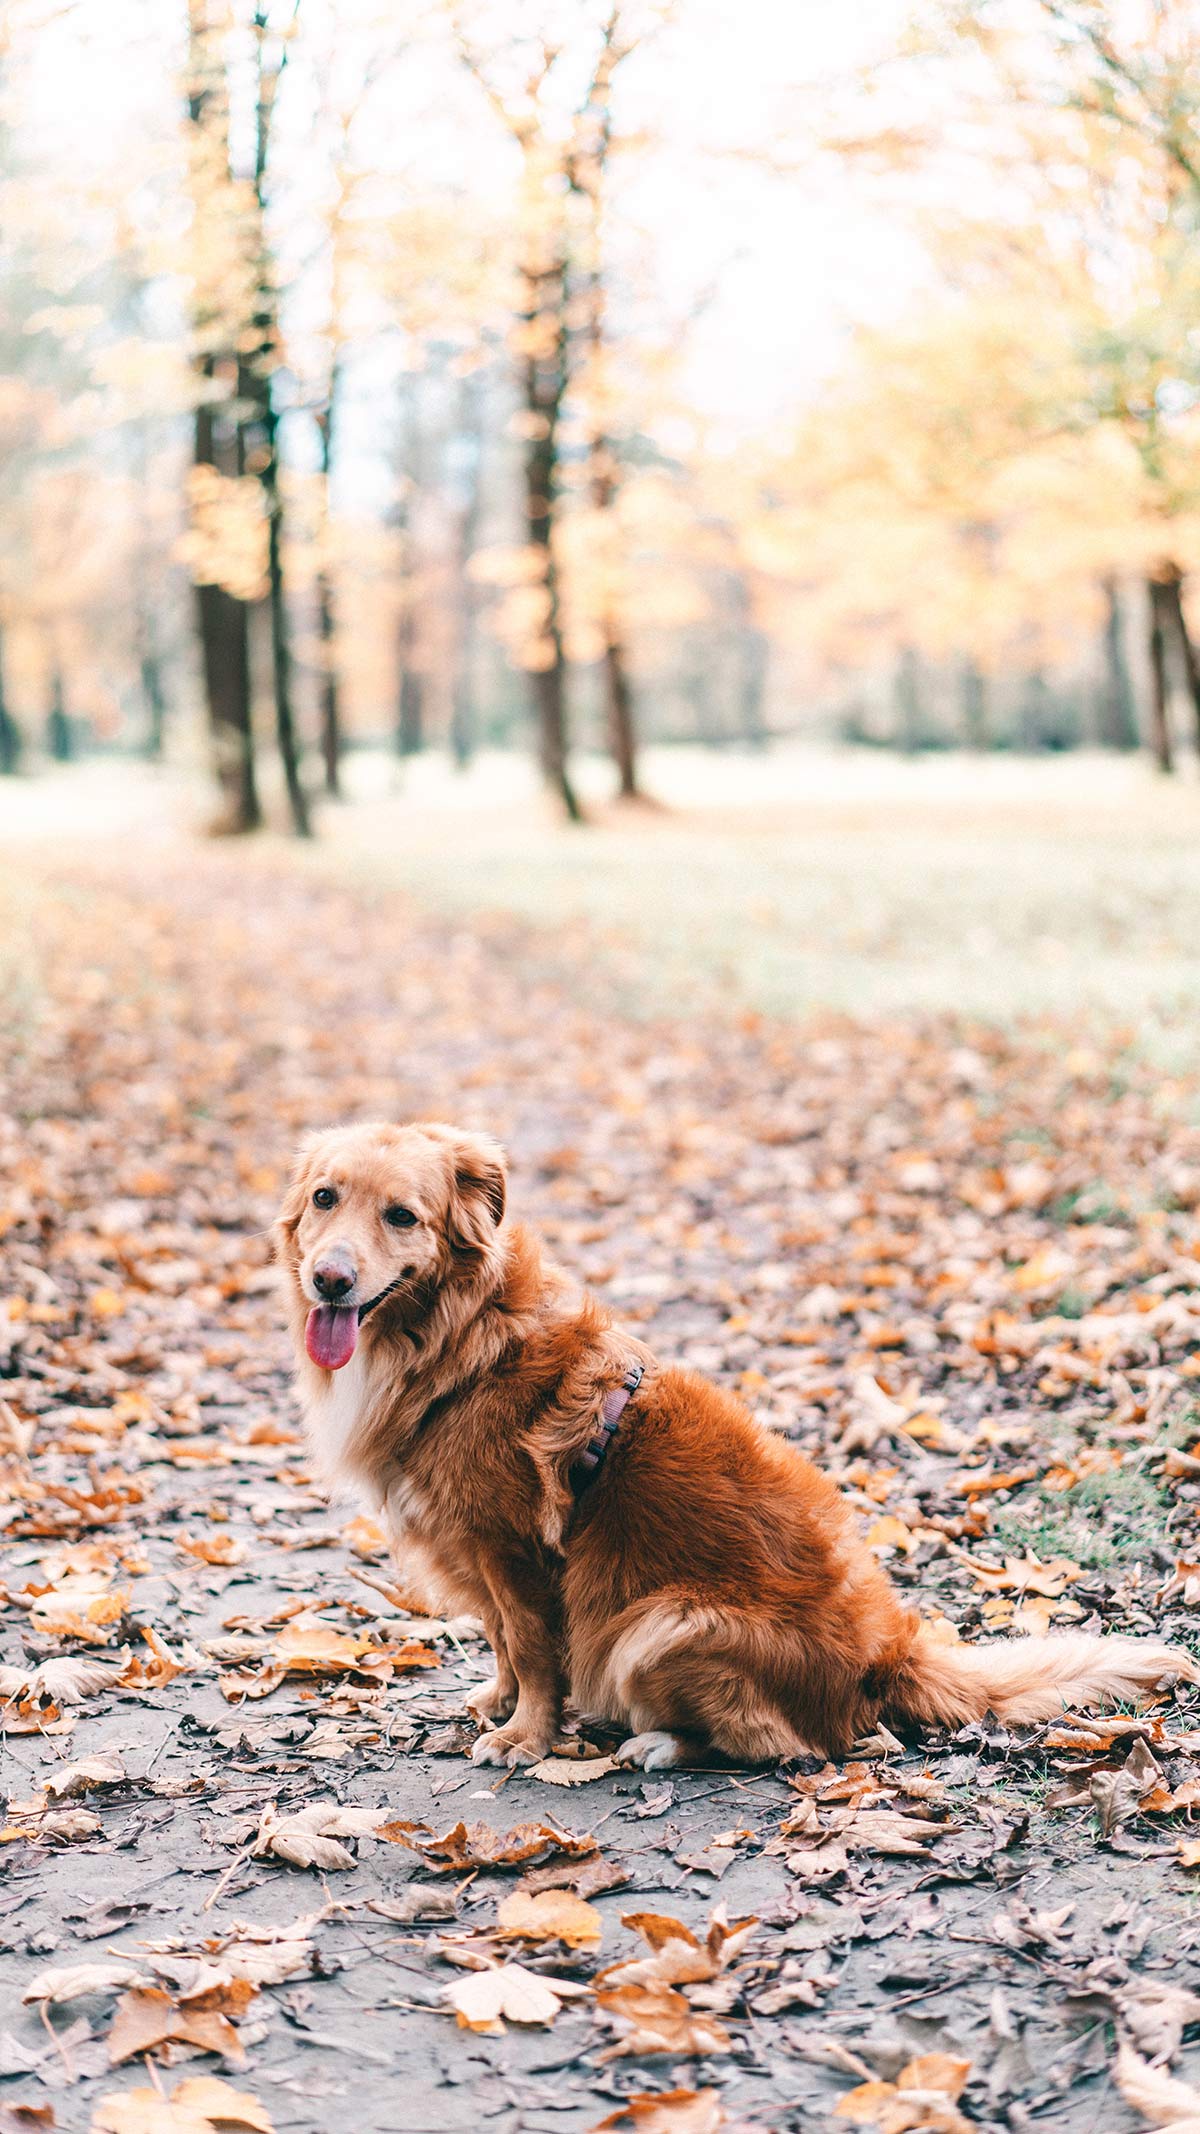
[
  {"x": 295, "y": 1200},
  {"x": 478, "y": 1192}
]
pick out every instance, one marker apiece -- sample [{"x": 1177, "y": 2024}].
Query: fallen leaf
[
  {"x": 414, "y": 1904},
  {"x": 571, "y": 1770},
  {"x": 1023, "y": 1574},
  {"x": 469, "y": 1845},
  {"x": 201, "y": 2105},
  {"x": 310, "y": 1837},
  {"x": 677, "y": 1957},
  {"x": 147, "y": 2018},
  {"x": 653, "y": 2019},
  {"x": 64, "y": 1681},
  {"x": 485, "y": 2000},
  {"x": 873, "y": 1415},
  {"x": 922, "y": 2096},
  {"x": 86, "y": 1776},
  {"x": 666, "y": 2112},
  {"x": 72, "y": 1982},
  {"x": 891, "y": 1533},
  {"x": 1117, "y": 1795},
  {"x": 218, "y": 1548},
  {"x": 554, "y": 1915}
]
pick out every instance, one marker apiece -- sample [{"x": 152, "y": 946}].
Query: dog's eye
[
  {"x": 324, "y": 1197},
  {"x": 399, "y": 1218}
]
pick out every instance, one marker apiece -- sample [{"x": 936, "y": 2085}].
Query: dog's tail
[{"x": 1021, "y": 1680}]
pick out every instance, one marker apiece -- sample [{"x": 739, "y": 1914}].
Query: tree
[
  {"x": 465, "y": 486},
  {"x": 218, "y": 488},
  {"x": 1118, "y": 707},
  {"x": 1105, "y": 105},
  {"x": 260, "y": 383},
  {"x": 10, "y": 732},
  {"x": 563, "y": 139},
  {"x": 587, "y": 173}
]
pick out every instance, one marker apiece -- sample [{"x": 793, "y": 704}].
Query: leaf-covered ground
[{"x": 243, "y": 1844}]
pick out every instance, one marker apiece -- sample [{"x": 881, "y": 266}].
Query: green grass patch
[{"x": 1106, "y": 1520}]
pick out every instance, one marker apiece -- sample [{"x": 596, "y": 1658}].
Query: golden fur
[{"x": 709, "y": 1589}]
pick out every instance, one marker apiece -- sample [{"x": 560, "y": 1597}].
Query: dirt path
[{"x": 957, "y": 1265}]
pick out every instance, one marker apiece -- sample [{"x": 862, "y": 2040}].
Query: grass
[
  {"x": 796, "y": 882},
  {"x": 1105, "y": 1521}
]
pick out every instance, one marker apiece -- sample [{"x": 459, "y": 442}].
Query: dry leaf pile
[{"x": 960, "y": 1267}]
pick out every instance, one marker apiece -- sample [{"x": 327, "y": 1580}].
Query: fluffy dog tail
[{"x": 1021, "y": 1680}]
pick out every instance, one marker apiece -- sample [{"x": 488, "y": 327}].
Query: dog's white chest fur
[{"x": 333, "y": 1414}]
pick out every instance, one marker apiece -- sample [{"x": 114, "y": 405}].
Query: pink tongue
[{"x": 331, "y": 1334}]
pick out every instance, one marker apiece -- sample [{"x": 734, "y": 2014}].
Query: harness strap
[{"x": 594, "y": 1454}]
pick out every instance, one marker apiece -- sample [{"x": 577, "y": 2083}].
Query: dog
[{"x": 629, "y": 1536}]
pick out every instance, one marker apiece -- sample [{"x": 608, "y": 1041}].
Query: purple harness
[{"x": 592, "y": 1458}]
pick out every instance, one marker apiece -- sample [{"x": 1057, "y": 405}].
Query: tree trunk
[
  {"x": 549, "y": 682},
  {"x": 468, "y": 503},
  {"x": 755, "y": 655},
  {"x": 618, "y": 694},
  {"x": 1035, "y": 705},
  {"x": 410, "y": 721},
  {"x": 257, "y": 384},
  {"x": 223, "y": 620},
  {"x": 908, "y": 701},
  {"x": 225, "y": 655},
  {"x": 60, "y": 736},
  {"x": 1160, "y": 723},
  {"x": 331, "y": 710},
  {"x": 1118, "y": 707},
  {"x": 331, "y": 704},
  {"x": 622, "y": 739},
  {"x": 281, "y": 643},
  {"x": 544, "y": 386},
  {"x": 974, "y": 705},
  {"x": 586, "y": 173},
  {"x": 153, "y": 693},
  {"x": 1175, "y": 620},
  {"x": 10, "y": 732},
  {"x": 410, "y": 684}
]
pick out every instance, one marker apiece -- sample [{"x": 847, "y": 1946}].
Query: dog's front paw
[
  {"x": 506, "y": 1746},
  {"x": 654, "y": 1752},
  {"x": 490, "y": 1702}
]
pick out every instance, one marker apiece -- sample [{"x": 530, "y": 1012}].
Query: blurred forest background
[{"x": 452, "y": 375}]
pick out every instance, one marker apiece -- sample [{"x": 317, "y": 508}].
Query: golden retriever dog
[{"x": 629, "y": 1536}]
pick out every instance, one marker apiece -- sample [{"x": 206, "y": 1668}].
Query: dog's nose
[{"x": 333, "y": 1277}]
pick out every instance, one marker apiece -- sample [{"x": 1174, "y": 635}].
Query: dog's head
[{"x": 375, "y": 1212}]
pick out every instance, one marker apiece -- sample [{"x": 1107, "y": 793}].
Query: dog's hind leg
[
  {"x": 687, "y": 1682},
  {"x": 656, "y": 1751}
]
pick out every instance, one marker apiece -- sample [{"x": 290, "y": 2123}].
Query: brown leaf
[
  {"x": 147, "y": 2018},
  {"x": 653, "y": 2019},
  {"x": 469, "y": 1845},
  {"x": 310, "y": 1837},
  {"x": 666, "y": 2112},
  {"x": 554, "y": 1915},
  {"x": 201, "y": 2105},
  {"x": 571, "y": 1770},
  {"x": 70, "y": 1781},
  {"x": 219, "y": 1548},
  {"x": 1117, "y": 1795},
  {"x": 677, "y": 1957},
  {"x": 923, "y": 2095},
  {"x": 590, "y": 1877}
]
